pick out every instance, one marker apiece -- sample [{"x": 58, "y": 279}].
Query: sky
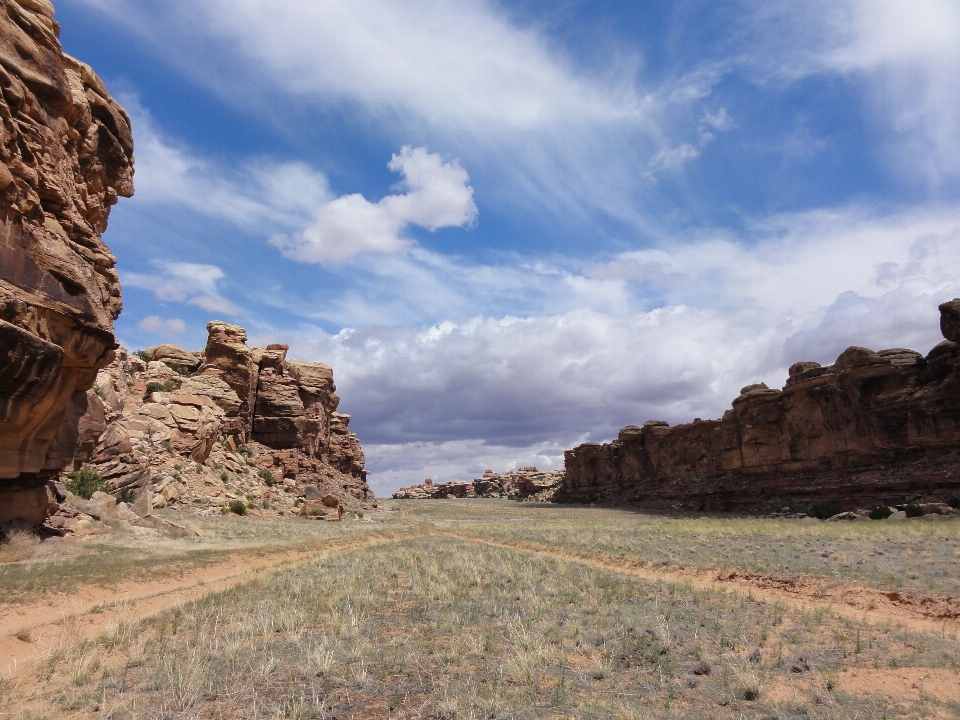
[{"x": 514, "y": 226}]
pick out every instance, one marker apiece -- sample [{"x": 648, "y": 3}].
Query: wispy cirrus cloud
[{"x": 183, "y": 282}]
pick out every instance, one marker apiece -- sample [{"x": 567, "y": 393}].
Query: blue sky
[{"x": 511, "y": 227}]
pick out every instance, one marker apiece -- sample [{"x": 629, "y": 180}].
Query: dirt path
[
  {"x": 32, "y": 632},
  {"x": 28, "y": 633},
  {"x": 937, "y": 616}
]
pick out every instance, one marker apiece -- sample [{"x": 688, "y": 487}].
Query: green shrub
[
  {"x": 360, "y": 514},
  {"x": 316, "y": 512},
  {"x": 224, "y": 477},
  {"x": 142, "y": 354},
  {"x": 237, "y": 507},
  {"x": 167, "y": 446},
  {"x": 245, "y": 451},
  {"x": 880, "y": 512},
  {"x": 99, "y": 392},
  {"x": 824, "y": 509},
  {"x": 152, "y": 387},
  {"x": 127, "y": 495},
  {"x": 199, "y": 468},
  {"x": 913, "y": 510},
  {"x": 268, "y": 477},
  {"x": 85, "y": 482}
]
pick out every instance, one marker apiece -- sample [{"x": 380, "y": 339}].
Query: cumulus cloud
[
  {"x": 437, "y": 195},
  {"x": 193, "y": 283},
  {"x": 155, "y": 325},
  {"x": 444, "y": 399}
]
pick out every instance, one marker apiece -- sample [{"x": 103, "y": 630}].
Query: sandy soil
[{"x": 32, "y": 632}]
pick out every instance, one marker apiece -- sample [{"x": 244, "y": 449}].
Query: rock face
[
  {"x": 526, "y": 484},
  {"x": 191, "y": 439},
  {"x": 66, "y": 155},
  {"x": 873, "y": 427}
]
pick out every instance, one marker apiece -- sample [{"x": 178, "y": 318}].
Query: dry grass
[
  {"x": 19, "y": 545},
  {"x": 442, "y": 628},
  {"x": 33, "y": 570},
  {"x": 915, "y": 555},
  {"x": 433, "y": 628}
]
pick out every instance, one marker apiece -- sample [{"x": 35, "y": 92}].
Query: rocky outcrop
[
  {"x": 873, "y": 427},
  {"x": 526, "y": 484},
  {"x": 66, "y": 155},
  {"x": 190, "y": 439}
]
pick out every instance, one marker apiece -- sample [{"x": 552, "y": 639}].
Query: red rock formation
[
  {"x": 284, "y": 431},
  {"x": 66, "y": 154},
  {"x": 874, "y": 426},
  {"x": 526, "y": 484}
]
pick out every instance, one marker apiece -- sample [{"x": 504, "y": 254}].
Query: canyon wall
[
  {"x": 226, "y": 422},
  {"x": 66, "y": 155},
  {"x": 873, "y": 427}
]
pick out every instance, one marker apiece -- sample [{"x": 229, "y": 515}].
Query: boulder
[{"x": 950, "y": 320}]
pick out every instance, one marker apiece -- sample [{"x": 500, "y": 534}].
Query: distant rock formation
[
  {"x": 873, "y": 427},
  {"x": 200, "y": 429},
  {"x": 527, "y": 484},
  {"x": 66, "y": 155}
]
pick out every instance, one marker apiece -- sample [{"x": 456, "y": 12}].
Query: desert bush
[
  {"x": 85, "y": 482},
  {"x": 267, "y": 477},
  {"x": 18, "y": 545},
  {"x": 824, "y": 509},
  {"x": 167, "y": 446},
  {"x": 913, "y": 510},
  {"x": 127, "y": 495},
  {"x": 224, "y": 477},
  {"x": 316, "y": 512},
  {"x": 153, "y": 386},
  {"x": 237, "y": 507},
  {"x": 880, "y": 512},
  {"x": 99, "y": 392},
  {"x": 954, "y": 502},
  {"x": 142, "y": 354}
]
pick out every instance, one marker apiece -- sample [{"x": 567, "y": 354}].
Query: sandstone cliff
[
  {"x": 66, "y": 155},
  {"x": 527, "y": 484},
  {"x": 228, "y": 423},
  {"x": 873, "y": 427}
]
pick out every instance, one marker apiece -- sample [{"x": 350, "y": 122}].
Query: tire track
[
  {"x": 31, "y": 633},
  {"x": 916, "y": 613}
]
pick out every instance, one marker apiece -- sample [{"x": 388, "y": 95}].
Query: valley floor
[{"x": 489, "y": 609}]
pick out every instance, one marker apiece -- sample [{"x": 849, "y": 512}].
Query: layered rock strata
[
  {"x": 873, "y": 427},
  {"x": 66, "y": 155},
  {"x": 526, "y": 484},
  {"x": 190, "y": 439}
]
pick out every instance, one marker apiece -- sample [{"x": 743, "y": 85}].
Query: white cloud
[
  {"x": 193, "y": 283},
  {"x": 157, "y": 326},
  {"x": 461, "y": 62},
  {"x": 671, "y": 158},
  {"x": 437, "y": 195},
  {"x": 905, "y": 52},
  {"x": 261, "y": 192},
  {"x": 671, "y": 333},
  {"x": 674, "y": 158}
]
